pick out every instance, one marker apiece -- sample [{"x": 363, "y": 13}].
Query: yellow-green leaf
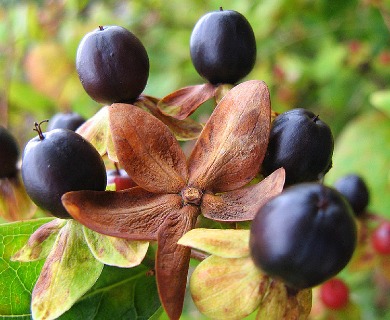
[
  {"x": 280, "y": 303},
  {"x": 97, "y": 131},
  {"x": 70, "y": 271},
  {"x": 115, "y": 251},
  {"x": 40, "y": 242},
  {"x": 226, "y": 243},
  {"x": 227, "y": 288}
]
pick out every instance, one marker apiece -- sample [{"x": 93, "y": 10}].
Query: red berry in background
[
  {"x": 381, "y": 238},
  {"x": 121, "y": 179},
  {"x": 334, "y": 294}
]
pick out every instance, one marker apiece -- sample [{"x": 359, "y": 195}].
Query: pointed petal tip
[{"x": 70, "y": 205}]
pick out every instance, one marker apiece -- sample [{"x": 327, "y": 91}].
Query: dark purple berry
[
  {"x": 112, "y": 64},
  {"x": 304, "y": 236},
  {"x": 59, "y": 161},
  {"x": 223, "y": 46},
  {"x": 9, "y": 154},
  {"x": 355, "y": 190},
  {"x": 302, "y": 144},
  {"x": 67, "y": 120}
]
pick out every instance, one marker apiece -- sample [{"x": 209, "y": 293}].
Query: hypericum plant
[{"x": 172, "y": 191}]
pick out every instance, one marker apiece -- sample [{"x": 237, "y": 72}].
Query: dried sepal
[
  {"x": 70, "y": 270},
  {"x": 221, "y": 91},
  {"x": 172, "y": 259},
  {"x": 227, "y": 288},
  {"x": 40, "y": 242},
  {"x": 186, "y": 129},
  {"x": 183, "y": 102},
  {"x": 225, "y": 243},
  {"x": 115, "y": 251},
  {"x": 283, "y": 303},
  {"x": 232, "y": 145},
  {"x": 96, "y": 130},
  {"x": 243, "y": 204},
  {"x": 134, "y": 214},
  {"x": 147, "y": 149},
  {"x": 15, "y": 204}
]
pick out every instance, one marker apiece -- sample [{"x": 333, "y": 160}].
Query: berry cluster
[{"x": 304, "y": 236}]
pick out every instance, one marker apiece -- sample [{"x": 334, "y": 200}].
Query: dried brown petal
[
  {"x": 134, "y": 214},
  {"x": 183, "y": 130},
  {"x": 243, "y": 204},
  {"x": 147, "y": 149},
  {"x": 183, "y": 102},
  {"x": 172, "y": 259},
  {"x": 232, "y": 145}
]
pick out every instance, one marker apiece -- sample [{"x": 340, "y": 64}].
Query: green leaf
[
  {"x": 119, "y": 293},
  {"x": 70, "y": 270},
  {"x": 227, "y": 288},
  {"x": 226, "y": 243},
  {"x": 17, "y": 279},
  {"x": 381, "y": 101},
  {"x": 40, "y": 243},
  {"x": 115, "y": 251}
]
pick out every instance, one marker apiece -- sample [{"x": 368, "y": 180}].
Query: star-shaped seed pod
[{"x": 173, "y": 191}]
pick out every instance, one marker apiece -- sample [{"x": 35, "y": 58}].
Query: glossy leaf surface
[{"x": 17, "y": 278}]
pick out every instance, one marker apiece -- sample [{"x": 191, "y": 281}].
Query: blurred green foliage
[{"x": 328, "y": 56}]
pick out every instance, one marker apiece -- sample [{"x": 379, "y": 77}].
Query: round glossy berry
[
  {"x": 334, "y": 294},
  {"x": 302, "y": 144},
  {"x": 120, "y": 178},
  {"x": 304, "y": 236},
  {"x": 59, "y": 161},
  {"x": 355, "y": 190},
  {"x": 67, "y": 120},
  {"x": 381, "y": 238},
  {"x": 223, "y": 46},
  {"x": 9, "y": 154},
  {"x": 112, "y": 64}
]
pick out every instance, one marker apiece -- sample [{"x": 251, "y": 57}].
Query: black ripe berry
[
  {"x": 304, "y": 236},
  {"x": 300, "y": 143},
  {"x": 9, "y": 154},
  {"x": 66, "y": 120},
  {"x": 223, "y": 46},
  {"x": 59, "y": 161},
  {"x": 112, "y": 64},
  {"x": 355, "y": 190}
]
